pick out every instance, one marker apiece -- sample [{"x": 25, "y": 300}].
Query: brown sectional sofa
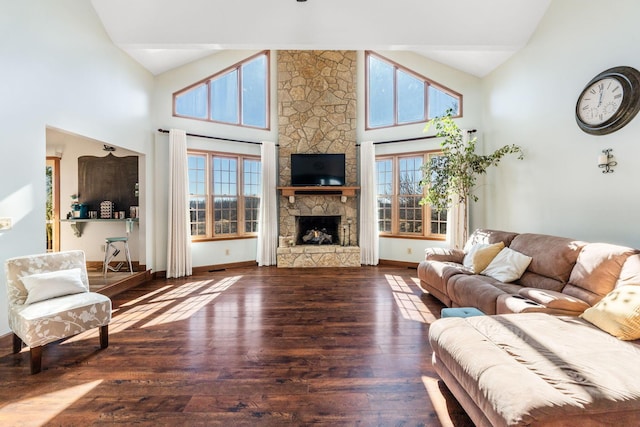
[
  {"x": 525, "y": 366},
  {"x": 565, "y": 276}
]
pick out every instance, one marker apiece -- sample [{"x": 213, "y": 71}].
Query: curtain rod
[
  {"x": 215, "y": 137},
  {"x": 412, "y": 139}
]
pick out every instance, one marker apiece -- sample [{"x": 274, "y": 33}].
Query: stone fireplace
[{"x": 317, "y": 114}]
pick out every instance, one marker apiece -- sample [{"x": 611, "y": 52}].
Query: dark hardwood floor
[{"x": 246, "y": 346}]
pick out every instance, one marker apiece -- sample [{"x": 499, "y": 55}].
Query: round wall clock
[{"x": 609, "y": 101}]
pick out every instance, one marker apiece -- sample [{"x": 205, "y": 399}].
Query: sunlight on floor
[
  {"x": 188, "y": 298},
  {"x": 410, "y": 305},
  {"x": 437, "y": 400},
  {"x": 182, "y": 311},
  {"x": 38, "y": 410}
]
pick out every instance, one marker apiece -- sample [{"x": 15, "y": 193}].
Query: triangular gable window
[
  {"x": 397, "y": 96},
  {"x": 238, "y": 95}
]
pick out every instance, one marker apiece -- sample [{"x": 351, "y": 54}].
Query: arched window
[
  {"x": 238, "y": 95},
  {"x": 396, "y": 96}
]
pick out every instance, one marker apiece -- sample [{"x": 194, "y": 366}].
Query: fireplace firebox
[{"x": 318, "y": 230}]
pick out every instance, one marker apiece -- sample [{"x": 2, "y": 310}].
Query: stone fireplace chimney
[{"x": 317, "y": 114}]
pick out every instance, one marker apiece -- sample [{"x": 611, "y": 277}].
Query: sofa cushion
[
  {"x": 553, "y": 256},
  {"x": 444, "y": 255},
  {"x": 483, "y": 235},
  {"x": 618, "y": 313},
  {"x": 481, "y": 255},
  {"x": 436, "y": 274},
  {"x": 630, "y": 273},
  {"x": 507, "y": 266},
  {"x": 597, "y": 270},
  {"x": 555, "y": 300},
  {"x": 481, "y": 292}
]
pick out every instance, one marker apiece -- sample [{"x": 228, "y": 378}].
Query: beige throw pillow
[
  {"x": 43, "y": 286},
  {"x": 507, "y": 266},
  {"x": 618, "y": 313},
  {"x": 481, "y": 255}
]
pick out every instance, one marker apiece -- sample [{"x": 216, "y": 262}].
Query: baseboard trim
[
  {"x": 393, "y": 263},
  {"x": 203, "y": 269}
]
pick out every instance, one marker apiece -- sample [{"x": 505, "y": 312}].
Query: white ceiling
[{"x": 474, "y": 36}]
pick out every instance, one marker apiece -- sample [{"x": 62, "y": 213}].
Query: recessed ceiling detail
[{"x": 472, "y": 36}]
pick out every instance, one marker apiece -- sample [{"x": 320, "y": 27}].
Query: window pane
[
  {"x": 197, "y": 215},
  {"x": 384, "y": 174},
  {"x": 251, "y": 207},
  {"x": 384, "y": 214},
  {"x": 225, "y": 215},
  {"x": 197, "y": 175},
  {"x": 252, "y": 190},
  {"x": 225, "y": 176},
  {"x": 224, "y": 98},
  {"x": 410, "y": 214},
  {"x": 380, "y": 93},
  {"x": 193, "y": 103},
  {"x": 410, "y": 98},
  {"x": 410, "y": 174},
  {"x": 254, "y": 92},
  {"x": 440, "y": 102}
]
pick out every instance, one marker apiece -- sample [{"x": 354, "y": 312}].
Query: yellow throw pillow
[
  {"x": 618, "y": 313},
  {"x": 481, "y": 255}
]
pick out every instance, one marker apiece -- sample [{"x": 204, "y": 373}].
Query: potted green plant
[{"x": 451, "y": 177}]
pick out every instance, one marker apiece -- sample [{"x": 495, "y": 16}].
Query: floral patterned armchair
[{"x": 49, "y": 299}]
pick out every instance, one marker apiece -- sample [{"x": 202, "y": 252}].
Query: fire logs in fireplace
[
  {"x": 318, "y": 237},
  {"x": 317, "y": 230}
]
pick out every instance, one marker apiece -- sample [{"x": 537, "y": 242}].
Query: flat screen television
[{"x": 317, "y": 169}]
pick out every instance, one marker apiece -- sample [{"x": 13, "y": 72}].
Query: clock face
[{"x": 600, "y": 101}]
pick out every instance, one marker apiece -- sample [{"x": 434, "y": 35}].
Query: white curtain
[
  {"x": 457, "y": 216},
  {"x": 268, "y": 214},
  {"x": 369, "y": 238},
  {"x": 179, "y": 235}
]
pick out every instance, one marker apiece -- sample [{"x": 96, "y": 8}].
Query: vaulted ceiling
[{"x": 474, "y": 36}]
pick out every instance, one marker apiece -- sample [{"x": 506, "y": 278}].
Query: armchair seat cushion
[{"x": 50, "y": 320}]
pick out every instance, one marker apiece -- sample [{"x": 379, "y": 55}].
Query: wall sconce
[{"x": 604, "y": 161}]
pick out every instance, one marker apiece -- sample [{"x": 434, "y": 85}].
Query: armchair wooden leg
[
  {"x": 17, "y": 344},
  {"x": 104, "y": 336},
  {"x": 36, "y": 359}
]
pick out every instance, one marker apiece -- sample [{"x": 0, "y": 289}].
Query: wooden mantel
[{"x": 328, "y": 190}]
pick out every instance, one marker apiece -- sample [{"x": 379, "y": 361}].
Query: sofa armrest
[
  {"x": 554, "y": 300},
  {"x": 444, "y": 255}
]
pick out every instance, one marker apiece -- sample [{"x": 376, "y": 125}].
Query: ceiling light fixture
[{"x": 301, "y": 1}]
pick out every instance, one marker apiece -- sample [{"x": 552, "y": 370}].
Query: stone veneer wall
[{"x": 317, "y": 114}]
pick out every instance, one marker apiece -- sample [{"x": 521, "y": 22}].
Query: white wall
[
  {"x": 530, "y": 101},
  {"x": 59, "y": 69},
  {"x": 412, "y": 250}
]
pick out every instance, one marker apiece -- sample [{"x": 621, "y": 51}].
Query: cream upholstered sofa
[
  {"x": 562, "y": 275},
  {"x": 538, "y": 369},
  {"x": 49, "y": 299},
  {"x": 531, "y": 364}
]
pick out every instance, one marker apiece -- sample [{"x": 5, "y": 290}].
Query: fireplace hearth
[{"x": 318, "y": 230}]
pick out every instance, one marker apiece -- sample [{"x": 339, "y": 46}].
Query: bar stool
[{"x": 108, "y": 255}]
